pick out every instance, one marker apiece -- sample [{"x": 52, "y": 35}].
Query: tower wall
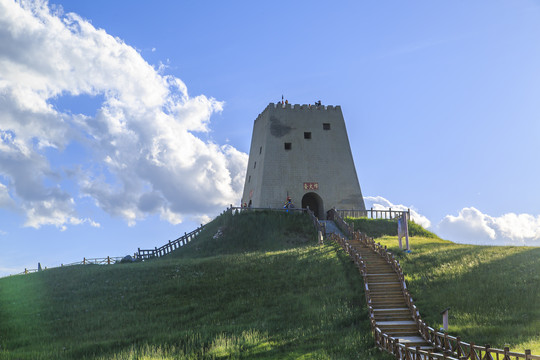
[{"x": 317, "y": 159}]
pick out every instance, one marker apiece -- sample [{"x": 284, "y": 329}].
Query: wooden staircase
[{"x": 390, "y": 310}]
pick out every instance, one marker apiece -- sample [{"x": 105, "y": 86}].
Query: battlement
[{"x": 298, "y": 107}]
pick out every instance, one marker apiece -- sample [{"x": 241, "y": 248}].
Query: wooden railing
[
  {"x": 142, "y": 254},
  {"x": 145, "y": 254},
  {"x": 246, "y": 209},
  {"x": 347, "y": 229},
  {"x": 96, "y": 261},
  {"x": 373, "y": 213},
  {"x": 85, "y": 261},
  {"x": 450, "y": 347},
  {"x": 27, "y": 271}
]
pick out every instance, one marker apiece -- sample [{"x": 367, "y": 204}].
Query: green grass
[
  {"x": 263, "y": 290},
  {"x": 379, "y": 227},
  {"x": 493, "y": 291}
]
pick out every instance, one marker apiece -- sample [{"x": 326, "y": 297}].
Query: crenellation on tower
[{"x": 301, "y": 151}]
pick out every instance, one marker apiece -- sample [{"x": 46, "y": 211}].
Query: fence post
[
  {"x": 527, "y": 354},
  {"x": 84, "y": 261},
  {"x": 108, "y": 260}
]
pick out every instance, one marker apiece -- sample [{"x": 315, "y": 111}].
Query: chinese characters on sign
[{"x": 311, "y": 186}]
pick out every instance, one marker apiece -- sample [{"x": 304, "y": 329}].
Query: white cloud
[
  {"x": 142, "y": 155},
  {"x": 380, "y": 203},
  {"x": 5, "y": 199},
  {"x": 471, "y": 226}
]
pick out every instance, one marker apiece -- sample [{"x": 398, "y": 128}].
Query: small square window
[
  {"x": 288, "y": 146},
  {"x": 307, "y": 135},
  {"x": 326, "y": 126}
]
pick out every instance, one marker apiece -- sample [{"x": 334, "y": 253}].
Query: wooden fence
[
  {"x": 170, "y": 246},
  {"x": 85, "y": 261},
  {"x": 96, "y": 261},
  {"x": 373, "y": 213},
  {"x": 145, "y": 254},
  {"x": 247, "y": 209},
  {"x": 450, "y": 347}
]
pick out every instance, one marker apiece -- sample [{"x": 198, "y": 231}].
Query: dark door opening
[{"x": 315, "y": 204}]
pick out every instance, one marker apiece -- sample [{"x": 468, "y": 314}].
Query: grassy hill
[
  {"x": 264, "y": 289},
  {"x": 493, "y": 291},
  {"x": 376, "y": 228}
]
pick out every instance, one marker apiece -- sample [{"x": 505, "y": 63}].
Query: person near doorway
[{"x": 288, "y": 204}]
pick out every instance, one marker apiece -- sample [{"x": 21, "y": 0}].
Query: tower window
[
  {"x": 255, "y": 165},
  {"x": 326, "y": 126},
  {"x": 307, "y": 135},
  {"x": 260, "y": 150},
  {"x": 249, "y": 179},
  {"x": 288, "y": 146}
]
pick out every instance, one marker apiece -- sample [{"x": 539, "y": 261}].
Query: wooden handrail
[
  {"x": 145, "y": 254},
  {"x": 373, "y": 213},
  {"x": 442, "y": 341}
]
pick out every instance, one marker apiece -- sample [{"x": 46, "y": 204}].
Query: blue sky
[{"x": 126, "y": 124}]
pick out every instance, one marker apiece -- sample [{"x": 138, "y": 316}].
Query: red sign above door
[{"x": 311, "y": 186}]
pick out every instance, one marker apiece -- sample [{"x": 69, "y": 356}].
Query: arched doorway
[{"x": 315, "y": 204}]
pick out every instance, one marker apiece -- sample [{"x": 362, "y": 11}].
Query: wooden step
[
  {"x": 413, "y": 340},
  {"x": 382, "y": 276},
  {"x": 382, "y": 297},
  {"x": 390, "y": 311},
  {"x": 393, "y": 317},
  {"x": 388, "y": 326},
  {"x": 385, "y": 295},
  {"x": 401, "y": 310}
]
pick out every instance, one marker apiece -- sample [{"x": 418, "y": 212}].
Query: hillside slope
[
  {"x": 493, "y": 291},
  {"x": 263, "y": 289}
]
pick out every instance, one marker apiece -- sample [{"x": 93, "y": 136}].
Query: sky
[{"x": 124, "y": 124}]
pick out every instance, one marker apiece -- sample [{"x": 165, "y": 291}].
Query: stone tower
[{"x": 301, "y": 151}]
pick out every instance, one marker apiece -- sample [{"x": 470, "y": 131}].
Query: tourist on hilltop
[{"x": 288, "y": 204}]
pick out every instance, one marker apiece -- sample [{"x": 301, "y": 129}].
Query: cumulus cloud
[
  {"x": 142, "y": 153},
  {"x": 471, "y": 226},
  {"x": 380, "y": 203}
]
